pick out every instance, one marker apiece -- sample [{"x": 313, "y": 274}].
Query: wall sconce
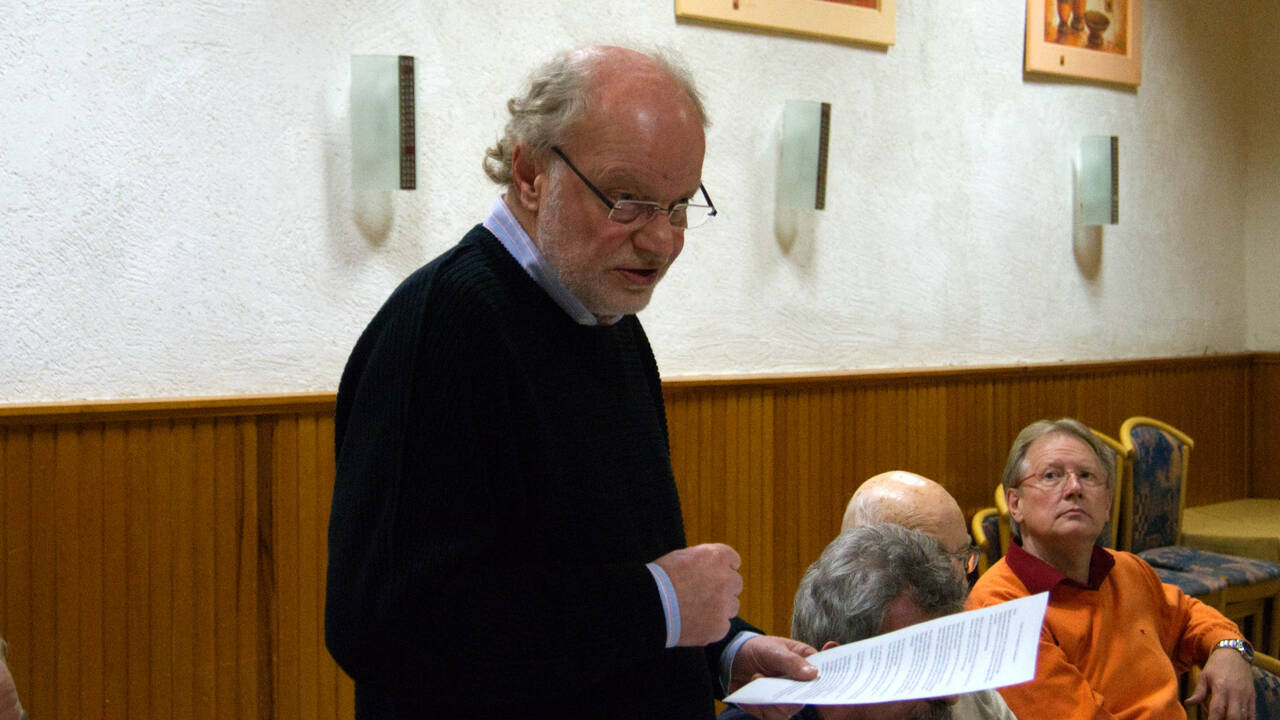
[
  {"x": 383, "y": 152},
  {"x": 802, "y": 169},
  {"x": 1098, "y": 184}
]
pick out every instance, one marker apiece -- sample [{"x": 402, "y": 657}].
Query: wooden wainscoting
[
  {"x": 166, "y": 559},
  {"x": 767, "y": 464},
  {"x": 1264, "y": 454}
]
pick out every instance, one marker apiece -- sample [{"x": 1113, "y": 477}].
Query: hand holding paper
[{"x": 966, "y": 652}]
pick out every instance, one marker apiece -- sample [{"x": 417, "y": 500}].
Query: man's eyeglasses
[
  {"x": 682, "y": 215},
  {"x": 1053, "y": 478},
  {"x": 966, "y": 557}
]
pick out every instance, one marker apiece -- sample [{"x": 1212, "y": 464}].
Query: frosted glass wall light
[
  {"x": 383, "y": 152},
  {"x": 1098, "y": 184},
  {"x": 802, "y": 171}
]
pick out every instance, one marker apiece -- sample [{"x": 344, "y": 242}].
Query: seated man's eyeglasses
[
  {"x": 966, "y": 557},
  {"x": 683, "y": 214},
  {"x": 1054, "y": 477}
]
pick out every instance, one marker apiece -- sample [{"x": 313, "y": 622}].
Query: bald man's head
[{"x": 912, "y": 501}]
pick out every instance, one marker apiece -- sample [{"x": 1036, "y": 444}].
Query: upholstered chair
[{"x": 1157, "y": 455}]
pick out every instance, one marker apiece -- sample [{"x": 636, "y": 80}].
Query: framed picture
[
  {"x": 865, "y": 21},
  {"x": 1091, "y": 39}
]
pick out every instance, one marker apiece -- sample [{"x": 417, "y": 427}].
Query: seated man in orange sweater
[{"x": 1114, "y": 638}]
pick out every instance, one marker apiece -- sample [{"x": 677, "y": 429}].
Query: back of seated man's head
[
  {"x": 10, "y": 708},
  {"x": 912, "y": 501},
  {"x": 873, "y": 580}
]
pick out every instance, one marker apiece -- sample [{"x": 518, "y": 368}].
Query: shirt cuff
[
  {"x": 670, "y": 608},
  {"x": 727, "y": 657}
]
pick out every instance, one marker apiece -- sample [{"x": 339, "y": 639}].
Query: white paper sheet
[{"x": 976, "y": 650}]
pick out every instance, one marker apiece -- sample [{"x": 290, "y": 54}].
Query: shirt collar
[
  {"x": 1039, "y": 576},
  {"x": 503, "y": 224}
]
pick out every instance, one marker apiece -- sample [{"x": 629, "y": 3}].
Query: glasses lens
[
  {"x": 695, "y": 215},
  {"x": 625, "y": 211}
]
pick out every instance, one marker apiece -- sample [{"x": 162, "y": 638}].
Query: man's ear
[
  {"x": 1013, "y": 499},
  {"x": 528, "y": 178},
  {"x": 830, "y": 644}
]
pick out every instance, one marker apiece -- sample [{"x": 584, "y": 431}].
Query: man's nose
[{"x": 657, "y": 236}]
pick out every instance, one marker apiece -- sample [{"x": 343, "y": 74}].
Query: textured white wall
[
  {"x": 1262, "y": 150},
  {"x": 178, "y": 218}
]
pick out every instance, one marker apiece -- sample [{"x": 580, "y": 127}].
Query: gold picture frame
[
  {"x": 857, "y": 21},
  {"x": 1090, "y": 39}
]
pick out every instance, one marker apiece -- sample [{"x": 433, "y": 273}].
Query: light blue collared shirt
[{"x": 503, "y": 224}]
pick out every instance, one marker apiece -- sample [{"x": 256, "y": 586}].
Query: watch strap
[{"x": 1240, "y": 645}]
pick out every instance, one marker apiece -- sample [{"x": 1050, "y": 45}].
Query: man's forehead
[{"x": 1058, "y": 449}]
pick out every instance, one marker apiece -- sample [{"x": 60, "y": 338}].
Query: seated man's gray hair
[{"x": 843, "y": 595}]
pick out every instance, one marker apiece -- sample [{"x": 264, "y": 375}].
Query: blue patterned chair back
[
  {"x": 1158, "y": 475},
  {"x": 1108, "y": 537},
  {"x": 1266, "y": 688}
]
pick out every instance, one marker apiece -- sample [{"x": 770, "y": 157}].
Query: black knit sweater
[{"x": 502, "y": 477}]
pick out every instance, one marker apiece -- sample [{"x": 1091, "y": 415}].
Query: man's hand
[
  {"x": 1227, "y": 680},
  {"x": 707, "y": 583},
  {"x": 769, "y": 656}
]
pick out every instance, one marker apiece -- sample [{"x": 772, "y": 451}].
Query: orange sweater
[{"x": 1109, "y": 649}]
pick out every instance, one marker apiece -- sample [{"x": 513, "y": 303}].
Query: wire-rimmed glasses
[{"x": 683, "y": 215}]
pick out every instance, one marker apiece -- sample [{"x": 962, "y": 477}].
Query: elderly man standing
[
  {"x": 505, "y": 539},
  {"x": 1114, "y": 638},
  {"x": 918, "y": 503}
]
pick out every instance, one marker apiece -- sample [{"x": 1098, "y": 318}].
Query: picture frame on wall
[
  {"x": 1088, "y": 39},
  {"x": 854, "y": 21}
]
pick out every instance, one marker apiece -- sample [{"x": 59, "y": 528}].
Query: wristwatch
[{"x": 1241, "y": 646}]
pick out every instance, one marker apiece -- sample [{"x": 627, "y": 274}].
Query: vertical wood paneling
[
  {"x": 87, "y": 473},
  {"x": 284, "y": 500},
  {"x": 66, "y": 579},
  {"x": 44, "y": 577},
  {"x": 181, "y": 462},
  {"x": 1265, "y": 415},
  {"x": 15, "y": 473},
  {"x": 203, "y": 573},
  {"x": 138, "y": 579},
  {"x": 252, "y": 618},
  {"x": 161, "y": 591},
  {"x": 115, "y": 575},
  {"x": 308, "y": 616},
  {"x": 166, "y": 564},
  {"x": 266, "y": 601},
  {"x": 228, "y": 525}
]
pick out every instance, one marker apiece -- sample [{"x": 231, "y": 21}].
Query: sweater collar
[
  {"x": 503, "y": 224},
  {"x": 1039, "y": 576}
]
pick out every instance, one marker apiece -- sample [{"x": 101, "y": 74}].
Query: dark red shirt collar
[{"x": 1039, "y": 576}]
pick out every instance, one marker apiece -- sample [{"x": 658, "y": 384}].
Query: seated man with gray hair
[
  {"x": 10, "y": 708},
  {"x": 918, "y": 503},
  {"x": 870, "y": 581},
  {"x": 1114, "y": 638}
]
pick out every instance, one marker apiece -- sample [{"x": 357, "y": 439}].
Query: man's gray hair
[
  {"x": 843, "y": 595},
  {"x": 1015, "y": 468},
  {"x": 557, "y": 97}
]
